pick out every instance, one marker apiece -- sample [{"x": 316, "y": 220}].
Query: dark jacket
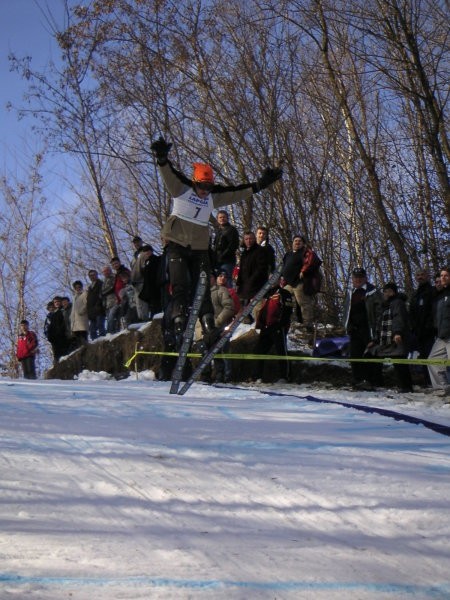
[
  {"x": 95, "y": 306},
  {"x": 253, "y": 271},
  {"x": 394, "y": 321},
  {"x": 226, "y": 243},
  {"x": 442, "y": 314},
  {"x": 292, "y": 265},
  {"x": 151, "y": 288},
  {"x": 421, "y": 312},
  {"x": 364, "y": 312},
  {"x": 276, "y": 310},
  {"x": 56, "y": 330}
]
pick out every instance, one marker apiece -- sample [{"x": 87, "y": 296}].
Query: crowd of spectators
[{"x": 380, "y": 322}]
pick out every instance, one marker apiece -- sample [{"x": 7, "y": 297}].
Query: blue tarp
[{"x": 335, "y": 346}]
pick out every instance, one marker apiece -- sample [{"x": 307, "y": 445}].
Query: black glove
[
  {"x": 160, "y": 149},
  {"x": 268, "y": 177}
]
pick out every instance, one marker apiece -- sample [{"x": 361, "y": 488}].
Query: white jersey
[{"x": 191, "y": 208}]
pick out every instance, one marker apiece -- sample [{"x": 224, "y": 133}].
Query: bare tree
[{"x": 23, "y": 255}]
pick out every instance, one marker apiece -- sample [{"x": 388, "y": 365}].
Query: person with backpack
[
  {"x": 274, "y": 320},
  {"x": 303, "y": 278},
  {"x": 27, "y": 348}
]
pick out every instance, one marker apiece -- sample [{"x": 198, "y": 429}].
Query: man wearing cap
[
  {"x": 363, "y": 313},
  {"x": 187, "y": 232}
]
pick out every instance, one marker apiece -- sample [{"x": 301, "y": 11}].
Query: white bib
[{"x": 191, "y": 208}]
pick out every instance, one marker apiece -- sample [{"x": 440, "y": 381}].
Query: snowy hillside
[{"x": 118, "y": 490}]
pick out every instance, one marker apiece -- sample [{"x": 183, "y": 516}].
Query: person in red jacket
[{"x": 27, "y": 348}]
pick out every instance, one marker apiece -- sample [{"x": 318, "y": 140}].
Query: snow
[{"x": 118, "y": 490}]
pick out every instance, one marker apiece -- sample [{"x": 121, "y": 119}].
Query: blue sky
[{"x": 24, "y": 32}]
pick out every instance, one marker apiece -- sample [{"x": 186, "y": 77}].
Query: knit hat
[{"x": 202, "y": 173}]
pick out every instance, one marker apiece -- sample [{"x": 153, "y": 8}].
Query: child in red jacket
[{"x": 27, "y": 348}]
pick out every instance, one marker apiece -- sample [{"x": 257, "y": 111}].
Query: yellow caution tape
[{"x": 220, "y": 356}]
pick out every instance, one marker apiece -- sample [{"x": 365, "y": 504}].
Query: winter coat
[
  {"x": 55, "y": 329},
  {"x": 79, "y": 320},
  {"x": 186, "y": 231},
  {"x": 363, "y": 312},
  {"x": 253, "y": 271},
  {"x": 95, "y": 300},
  {"x": 271, "y": 256},
  {"x": 137, "y": 269},
  {"x": 292, "y": 265},
  {"x": 276, "y": 310},
  {"x": 442, "y": 314},
  {"x": 421, "y": 311},
  {"x": 303, "y": 265},
  {"x": 26, "y": 345},
  {"x": 226, "y": 243},
  {"x": 151, "y": 283},
  {"x": 394, "y": 321},
  {"x": 108, "y": 295},
  {"x": 223, "y": 304}
]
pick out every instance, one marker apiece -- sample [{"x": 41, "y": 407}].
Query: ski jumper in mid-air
[{"x": 187, "y": 232}]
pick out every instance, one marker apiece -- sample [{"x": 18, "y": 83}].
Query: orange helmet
[{"x": 202, "y": 173}]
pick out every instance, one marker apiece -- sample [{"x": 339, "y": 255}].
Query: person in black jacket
[
  {"x": 151, "y": 284},
  {"x": 253, "y": 268},
  {"x": 226, "y": 242},
  {"x": 441, "y": 347},
  {"x": 421, "y": 317},
  {"x": 95, "y": 308},
  {"x": 364, "y": 309},
  {"x": 394, "y": 335},
  {"x": 55, "y": 330}
]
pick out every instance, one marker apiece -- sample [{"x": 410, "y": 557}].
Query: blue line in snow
[
  {"x": 440, "y": 591},
  {"x": 437, "y": 427}
]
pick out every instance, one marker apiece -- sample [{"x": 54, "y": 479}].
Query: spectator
[
  {"x": 137, "y": 244},
  {"x": 226, "y": 243},
  {"x": 151, "y": 292},
  {"x": 301, "y": 272},
  {"x": 128, "y": 311},
  {"x": 363, "y": 314},
  {"x": 50, "y": 309},
  {"x": 274, "y": 320},
  {"x": 421, "y": 318},
  {"x": 79, "y": 322},
  {"x": 109, "y": 299},
  {"x": 66, "y": 307},
  {"x": 56, "y": 330},
  {"x": 27, "y": 348},
  {"x": 95, "y": 308},
  {"x": 115, "y": 312},
  {"x": 224, "y": 312},
  {"x": 137, "y": 281},
  {"x": 253, "y": 269},
  {"x": 441, "y": 346},
  {"x": 262, "y": 239},
  {"x": 394, "y": 334},
  {"x": 187, "y": 231}
]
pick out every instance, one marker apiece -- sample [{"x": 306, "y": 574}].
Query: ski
[
  {"x": 230, "y": 329},
  {"x": 188, "y": 333}
]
